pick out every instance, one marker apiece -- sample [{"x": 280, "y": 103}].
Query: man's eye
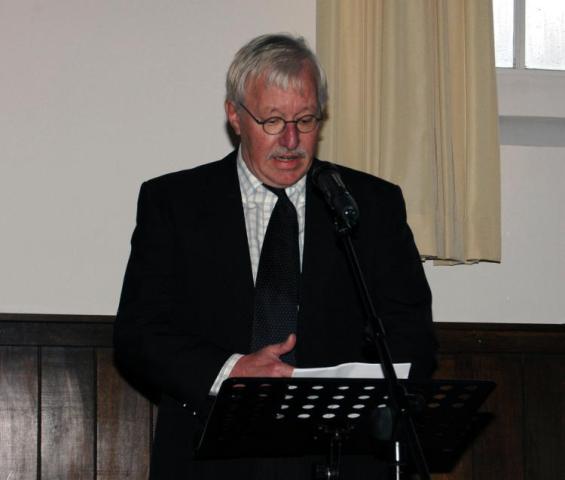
[
  {"x": 307, "y": 120},
  {"x": 273, "y": 121}
]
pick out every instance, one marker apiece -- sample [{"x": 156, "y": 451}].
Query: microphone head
[
  {"x": 327, "y": 179},
  {"x": 320, "y": 172}
]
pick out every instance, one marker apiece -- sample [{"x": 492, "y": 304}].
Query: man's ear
[{"x": 233, "y": 116}]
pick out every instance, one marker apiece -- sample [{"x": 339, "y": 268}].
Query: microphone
[{"x": 327, "y": 179}]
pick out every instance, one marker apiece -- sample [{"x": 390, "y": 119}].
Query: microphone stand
[{"x": 399, "y": 401}]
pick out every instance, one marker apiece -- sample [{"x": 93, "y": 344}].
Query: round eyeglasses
[{"x": 276, "y": 125}]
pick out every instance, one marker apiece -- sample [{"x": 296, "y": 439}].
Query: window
[{"x": 530, "y": 34}]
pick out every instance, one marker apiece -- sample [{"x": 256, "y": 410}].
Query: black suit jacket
[{"x": 187, "y": 300}]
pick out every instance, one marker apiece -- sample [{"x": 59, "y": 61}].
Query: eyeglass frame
[{"x": 285, "y": 122}]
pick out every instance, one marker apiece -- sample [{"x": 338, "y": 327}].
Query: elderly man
[{"x": 235, "y": 269}]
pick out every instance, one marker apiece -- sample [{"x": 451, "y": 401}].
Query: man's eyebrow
[{"x": 275, "y": 112}]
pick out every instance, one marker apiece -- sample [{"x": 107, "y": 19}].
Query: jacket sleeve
[
  {"x": 156, "y": 347},
  {"x": 404, "y": 297}
]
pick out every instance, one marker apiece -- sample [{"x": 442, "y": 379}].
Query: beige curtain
[{"x": 413, "y": 100}]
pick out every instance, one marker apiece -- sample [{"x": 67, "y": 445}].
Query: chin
[{"x": 289, "y": 179}]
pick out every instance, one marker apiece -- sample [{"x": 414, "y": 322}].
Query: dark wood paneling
[
  {"x": 72, "y": 416},
  {"x": 67, "y": 414},
  {"x": 470, "y": 338},
  {"x": 18, "y": 412},
  {"x": 458, "y": 338},
  {"x": 124, "y": 425},
  {"x": 544, "y": 416},
  {"x": 56, "y": 334},
  {"x": 55, "y": 318},
  {"x": 496, "y": 450},
  {"x": 456, "y": 367}
]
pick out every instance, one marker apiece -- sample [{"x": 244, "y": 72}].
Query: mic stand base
[{"x": 330, "y": 471}]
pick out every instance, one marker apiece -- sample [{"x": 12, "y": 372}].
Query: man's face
[{"x": 277, "y": 160}]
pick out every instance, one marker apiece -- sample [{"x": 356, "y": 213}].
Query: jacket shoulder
[
  {"x": 363, "y": 178},
  {"x": 193, "y": 178},
  {"x": 366, "y": 185}
]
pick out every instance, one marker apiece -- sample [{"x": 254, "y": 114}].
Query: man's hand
[{"x": 266, "y": 362}]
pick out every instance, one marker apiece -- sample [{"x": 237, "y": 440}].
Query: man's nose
[{"x": 289, "y": 138}]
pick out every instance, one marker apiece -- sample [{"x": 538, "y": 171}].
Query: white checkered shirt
[{"x": 258, "y": 204}]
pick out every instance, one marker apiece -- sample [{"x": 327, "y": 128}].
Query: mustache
[{"x": 282, "y": 151}]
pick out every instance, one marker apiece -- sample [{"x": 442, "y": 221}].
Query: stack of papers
[{"x": 351, "y": 370}]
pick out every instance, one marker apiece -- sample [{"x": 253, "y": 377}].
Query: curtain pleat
[{"x": 413, "y": 100}]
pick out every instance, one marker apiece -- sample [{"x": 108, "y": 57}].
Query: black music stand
[{"x": 271, "y": 417}]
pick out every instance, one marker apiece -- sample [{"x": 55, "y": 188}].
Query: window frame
[
  {"x": 528, "y": 92},
  {"x": 519, "y": 40}
]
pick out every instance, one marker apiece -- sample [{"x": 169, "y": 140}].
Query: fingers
[
  {"x": 266, "y": 362},
  {"x": 261, "y": 364}
]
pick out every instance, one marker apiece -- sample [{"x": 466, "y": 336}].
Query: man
[{"x": 188, "y": 312}]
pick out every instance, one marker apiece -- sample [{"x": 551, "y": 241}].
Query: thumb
[{"x": 284, "y": 347}]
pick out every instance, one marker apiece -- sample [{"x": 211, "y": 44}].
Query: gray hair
[{"x": 281, "y": 58}]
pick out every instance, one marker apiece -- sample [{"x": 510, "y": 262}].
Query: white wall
[
  {"x": 97, "y": 96},
  {"x": 528, "y": 286},
  {"x": 94, "y": 98}
]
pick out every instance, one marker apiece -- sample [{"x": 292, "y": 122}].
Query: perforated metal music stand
[{"x": 268, "y": 417}]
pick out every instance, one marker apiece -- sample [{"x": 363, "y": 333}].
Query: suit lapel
[
  {"x": 320, "y": 249},
  {"x": 228, "y": 242}
]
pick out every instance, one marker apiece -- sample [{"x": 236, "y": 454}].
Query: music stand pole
[{"x": 376, "y": 335}]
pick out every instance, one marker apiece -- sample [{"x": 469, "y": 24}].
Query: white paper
[{"x": 352, "y": 370}]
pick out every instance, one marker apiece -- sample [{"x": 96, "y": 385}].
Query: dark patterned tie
[{"x": 278, "y": 275}]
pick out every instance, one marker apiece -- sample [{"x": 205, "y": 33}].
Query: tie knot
[{"x": 279, "y": 192}]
